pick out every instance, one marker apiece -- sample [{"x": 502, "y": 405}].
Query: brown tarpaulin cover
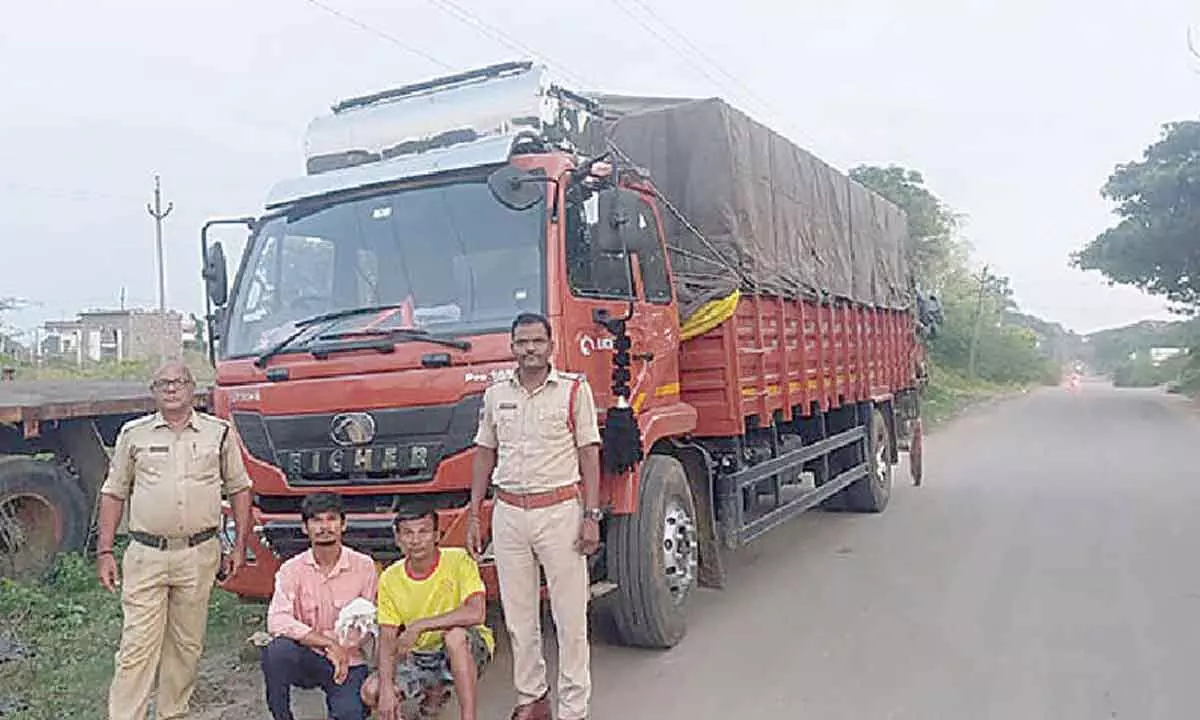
[{"x": 774, "y": 218}]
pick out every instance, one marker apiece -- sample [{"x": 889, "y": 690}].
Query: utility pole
[
  {"x": 983, "y": 282},
  {"x": 159, "y": 214}
]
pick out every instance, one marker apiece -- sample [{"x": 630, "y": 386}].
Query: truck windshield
[{"x": 455, "y": 259}]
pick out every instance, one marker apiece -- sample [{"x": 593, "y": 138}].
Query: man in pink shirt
[{"x": 310, "y": 591}]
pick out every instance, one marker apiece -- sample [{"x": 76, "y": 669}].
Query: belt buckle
[{"x": 176, "y": 543}]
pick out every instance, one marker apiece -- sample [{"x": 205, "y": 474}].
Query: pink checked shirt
[{"x": 306, "y": 599}]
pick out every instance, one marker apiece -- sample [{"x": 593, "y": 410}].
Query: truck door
[
  {"x": 611, "y": 281},
  {"x": 655, "y": 324}
]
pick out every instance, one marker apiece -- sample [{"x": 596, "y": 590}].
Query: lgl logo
[{"x": 589, "y": 345}]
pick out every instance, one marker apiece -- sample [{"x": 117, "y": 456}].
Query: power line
[
  {"x": 495, "y": 33},
  {"x": 742, "y": 88},
  {"x": 658, "y": 36},
  {"x": 379, "y": 33},
  {"x": 64, "y": 192},
  {"x": 461, "y": 14},
  {"x": 703, "y": 55}
]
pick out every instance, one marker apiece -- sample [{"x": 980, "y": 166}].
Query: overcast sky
[{"x": 1015, "y": 110}]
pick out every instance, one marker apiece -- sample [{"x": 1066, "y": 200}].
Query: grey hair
[{"x": 175, "y": 365}]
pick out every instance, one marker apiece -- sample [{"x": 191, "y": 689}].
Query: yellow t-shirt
[{"x": 403, "y": 599}]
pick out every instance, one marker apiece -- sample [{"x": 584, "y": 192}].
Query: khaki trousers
[
  {"x": 522, "y": 539},
  {"x": 164, "y": 596}
]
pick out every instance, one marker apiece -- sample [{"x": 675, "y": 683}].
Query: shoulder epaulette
[
  {"x": 140, "y": 421},
  {"x": 214, "y": 419}
]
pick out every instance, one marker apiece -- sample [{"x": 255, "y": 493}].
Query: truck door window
[
  {"x": 651, "y": 259},
  {"x": 592, "y": 273},
  {"x": 258, "y": 297}
]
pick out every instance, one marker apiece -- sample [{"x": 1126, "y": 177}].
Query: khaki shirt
[
  {"x": 173, "y": 482},
  {"x": 535, "y": 449}
]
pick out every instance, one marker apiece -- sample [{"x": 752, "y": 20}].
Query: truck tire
[
  {"x": 43, "y": 512},
  {"x": 871, "y": 494},
  {"x": 653, "y": 557}
]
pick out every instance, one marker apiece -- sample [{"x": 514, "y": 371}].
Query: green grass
[
  {"x": 69, "y": 627},
  {"x": 108, "y": 370},
  {"x": 950, "y": 392}
]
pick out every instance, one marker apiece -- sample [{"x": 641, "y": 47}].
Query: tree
[
  {"x": 932, "y": 249},
  {"x": 1156, "y": 244},
  {"x": 8, "y": 304},
  {"x": 200, "y": 343}
]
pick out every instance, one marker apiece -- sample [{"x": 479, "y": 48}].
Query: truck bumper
[{"x": 279, "y": 537}]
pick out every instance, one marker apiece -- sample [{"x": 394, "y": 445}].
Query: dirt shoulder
[{"x": 59, "y": 634}]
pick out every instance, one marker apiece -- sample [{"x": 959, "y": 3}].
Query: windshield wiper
[
  {"x": 303, "y": 325},
  {"x": 416, "y": 334}
]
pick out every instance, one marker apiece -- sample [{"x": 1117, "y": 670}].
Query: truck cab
[{"x": 374, "y": 300}]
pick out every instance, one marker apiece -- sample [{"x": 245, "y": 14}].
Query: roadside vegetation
[
  {"x": 59, "y": 630},
  {"x": 59, "y": 633},
  {"x": 985, "y": 347},
  {"x": 132, "y": 370},
  {"x": 1153, "y": 246}
]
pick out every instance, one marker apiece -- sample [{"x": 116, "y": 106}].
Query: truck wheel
[
  {"x": 42, "y": 512},
  {"x": 653, "y": 557},
  {"x": 871, "y": 494}
]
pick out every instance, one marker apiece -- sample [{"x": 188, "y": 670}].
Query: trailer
[{"x": 55, "y": 440}]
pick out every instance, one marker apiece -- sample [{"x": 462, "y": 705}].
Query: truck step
[{"x": 602, "y": 588}]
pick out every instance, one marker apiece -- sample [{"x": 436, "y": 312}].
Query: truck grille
[{"x": 407, "y": 446}]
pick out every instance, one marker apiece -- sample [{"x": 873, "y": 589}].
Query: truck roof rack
[{"x": 484, "y": 73}]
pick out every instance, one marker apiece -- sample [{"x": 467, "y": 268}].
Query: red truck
[{"x": 743, "y": 312}]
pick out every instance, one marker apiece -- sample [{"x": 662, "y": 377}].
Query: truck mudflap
[{"x": 916, "y": 453}]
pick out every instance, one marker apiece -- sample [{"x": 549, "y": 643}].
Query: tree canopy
[
  {"x": 932, "y": 248},
  {"x": 978, "y": 308},
  {"x": 1155, "y": 246}
]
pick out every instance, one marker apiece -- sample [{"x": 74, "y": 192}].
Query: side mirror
[
  {"x": 517, "y": 189},
  {"x": 216, "y": 278},
  {"x": 618, "y": 230}
]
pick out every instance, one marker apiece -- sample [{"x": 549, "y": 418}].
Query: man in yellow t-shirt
[{"x": 431, "y": 608}]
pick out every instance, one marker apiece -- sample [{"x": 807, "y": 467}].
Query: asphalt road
[{"x": 1046, "y": 569}]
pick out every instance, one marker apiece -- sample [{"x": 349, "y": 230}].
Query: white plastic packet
[{"x": 355, "y": 622}]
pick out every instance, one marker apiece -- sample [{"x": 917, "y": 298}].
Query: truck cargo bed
[
  {"x": 41, "y": 400},
  {"x": 763, "y": 215},
  {"x": 778, "y": 357}
]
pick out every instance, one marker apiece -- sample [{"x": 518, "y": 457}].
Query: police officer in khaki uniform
[
  {"x": 171, "y": 468},
  {"x": 539, "y": 442}
]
